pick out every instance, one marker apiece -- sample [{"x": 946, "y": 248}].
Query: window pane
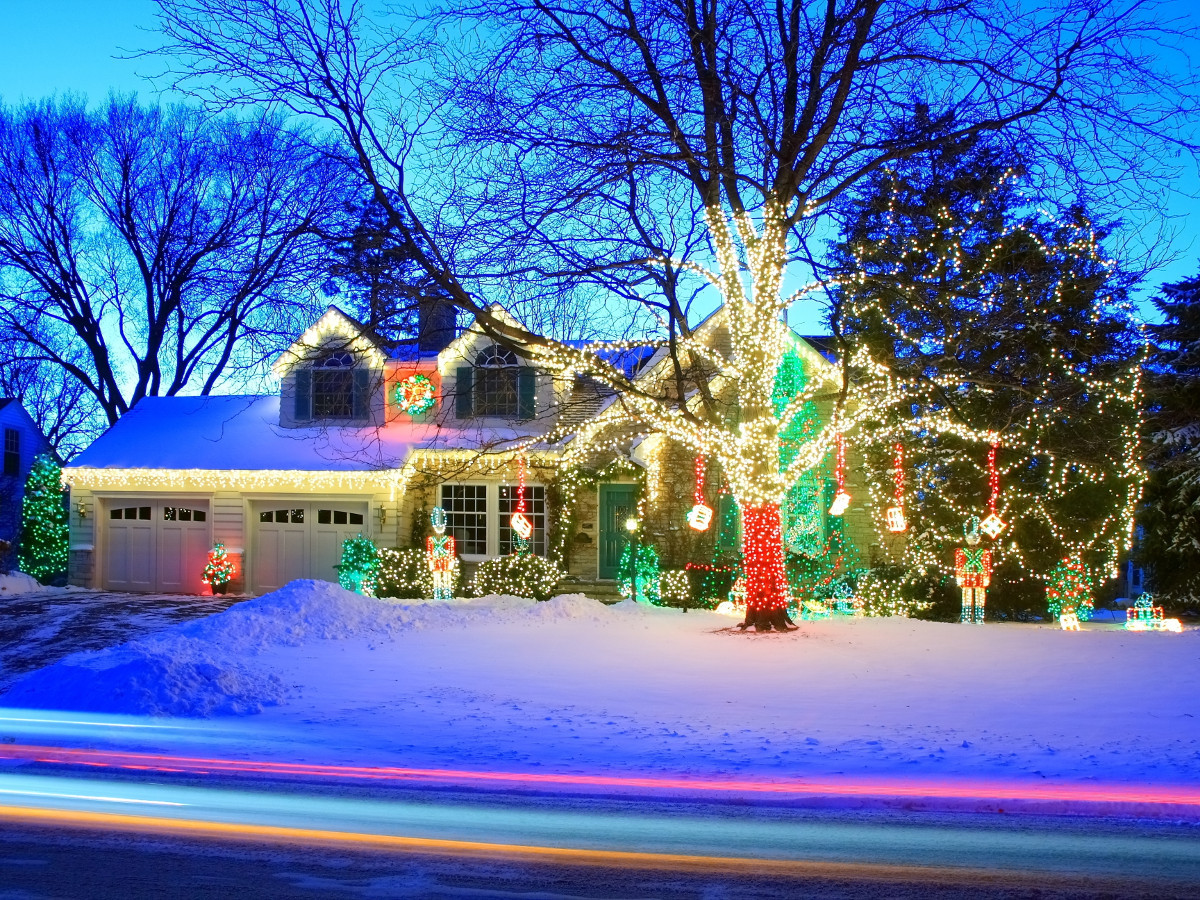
[
  {"x": 535, "y": 511},
  {"x": 143, "y": 513},
  {"x": 333, "y": 393},
  {"x": 265, "y": 517},
  {"x": 199, "y": 515},
  {"x": 466, "y": 516},
  {"x": 356, "y": 519},
  {"x": 496, "y": 392},
  {"x": 324, "y": 517},
  {"x": 281, "y": 515},
  {"x": 339, "y": 517},
  {"x": 114, "y": 513},
  {"x": 168, "y": 514},
  {"x": 131, "y": 512},
  {"x": 185, "y": 515},
  {"x": 297, "y": 516}
]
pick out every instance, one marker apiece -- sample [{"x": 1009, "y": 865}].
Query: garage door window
[
  {"x": 130, "y": 512},
  {"x": 338, "y": 517},
  {"x": 183, "y": 514},
  {"x": 294, "y": 516}
]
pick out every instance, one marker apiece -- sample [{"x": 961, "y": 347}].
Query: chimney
[{"x": 437, "y": 323}]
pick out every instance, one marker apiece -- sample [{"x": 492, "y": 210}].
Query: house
[
  {"x": 23, "y": 441},
  {"x": 366, "y": 438}
]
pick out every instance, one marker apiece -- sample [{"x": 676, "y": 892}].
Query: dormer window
[
  {"x": 497, "y": 385},
  {"x": 333, "y": 388}
]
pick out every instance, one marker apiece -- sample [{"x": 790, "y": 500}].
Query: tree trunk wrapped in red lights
[{"x": 766, "y": 579}]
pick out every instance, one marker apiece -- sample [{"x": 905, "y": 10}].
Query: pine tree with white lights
[
  {"x": 1009, "y": 328},
  {"x": 44, "y": 526}
]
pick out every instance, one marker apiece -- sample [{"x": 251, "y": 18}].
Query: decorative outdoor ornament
[
  {"x": 443, "y": 562},
  {"x": 1069, "y": 622},
  {"x": 520, "y": 522},
  {"x": 973, "y": 572},
  {"x": 414, "y": 395},
  {"x": 841, "y": 500},
  {"x": 894, "y": 516},
  {"x": 1145, "y": 616},
  {"x": 521, "y": 525},
  {"x": 992, "y": 524},
  {"x": 700, "y": 515}
]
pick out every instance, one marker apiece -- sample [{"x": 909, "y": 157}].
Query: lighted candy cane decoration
[
  {"x": 992, "y": 525},
  {"x": 895, "y": 514},
  {"x": 700, "y": 515},
  {"x": 841, "y": 500},
  {"x": 519, "y": 521}
]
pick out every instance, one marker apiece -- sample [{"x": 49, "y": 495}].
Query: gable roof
[{"x": 336, "y": 322}]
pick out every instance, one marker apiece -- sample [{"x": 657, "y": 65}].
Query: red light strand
[
  {"x": 521, "y": 468},
  {"x": 699, "y": 494},
  {"x": 898, "y": 474},
  {"x": 993, "y": 478},
  {"x": 762, "y": 541}
]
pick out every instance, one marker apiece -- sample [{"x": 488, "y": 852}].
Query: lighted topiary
[
  {"x": 518, "y": 574},
  {"x": 219, "y": 570},
  {"x": 675, "y": 589},
  {"x": 44, "y": 527},
  {"x": 646, "y": 572},
  {"x": 359, "y": 566},
  {"x": 1069, "y": 590}
]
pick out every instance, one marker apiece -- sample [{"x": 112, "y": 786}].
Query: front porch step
[{"x": 604, "y": 591}]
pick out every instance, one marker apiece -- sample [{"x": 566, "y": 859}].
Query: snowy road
[{"x": 775, "y": 841}]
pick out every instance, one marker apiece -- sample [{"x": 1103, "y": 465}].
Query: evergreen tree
[
  {"x": 1170, "y": 549},
  {"x": 388, "y": 293},
  {"x": 44, "y": 527},
  {"x": 1004, "y": 324}
]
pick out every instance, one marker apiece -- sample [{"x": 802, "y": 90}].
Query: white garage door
[
  {"x": 302, "y": 540},
  {"x": 156, "y": 545}
]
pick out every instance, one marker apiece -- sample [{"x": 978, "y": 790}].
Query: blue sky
[{"x": 61, "y": 46}]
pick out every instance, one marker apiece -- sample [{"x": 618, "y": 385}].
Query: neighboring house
[
  {"x": 23, "y": 440},
  {"x": 344, "y": 448}
]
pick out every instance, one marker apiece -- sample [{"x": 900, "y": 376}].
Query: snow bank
[
  {"x": 20, "y": 583},
  {"x": 206, "y": 667}
]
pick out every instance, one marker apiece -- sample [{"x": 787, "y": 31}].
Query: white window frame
[{"x": 492, "y": 515}]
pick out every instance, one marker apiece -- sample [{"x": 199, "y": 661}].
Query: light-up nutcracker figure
[
  {"x": 973, "y": 572},
  {"x": 443, "y": 562}
]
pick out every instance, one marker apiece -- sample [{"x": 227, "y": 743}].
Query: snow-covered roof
[{"x": 243, "y": 432}]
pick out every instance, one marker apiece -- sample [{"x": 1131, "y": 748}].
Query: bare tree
[
  {"x": 62, "y": 407},
  {"x": 559, "y": 143},
  {"x": 150, "y": 251}
]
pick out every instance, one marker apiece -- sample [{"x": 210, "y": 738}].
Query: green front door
[{"x": 616, "y": 505}]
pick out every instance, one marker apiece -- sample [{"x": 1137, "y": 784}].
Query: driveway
[{"x": 42, "y": 628}]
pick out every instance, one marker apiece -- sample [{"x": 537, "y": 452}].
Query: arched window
[{"x": 333, "y": 387}]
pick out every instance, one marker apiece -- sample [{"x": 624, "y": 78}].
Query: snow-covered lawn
[{"x": 574, "y": 686}]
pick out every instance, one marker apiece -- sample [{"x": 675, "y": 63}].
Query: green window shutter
[
  {"x": 464, "y": 392},
  {"x": 362, "y": 394},
  {"x": 526, "y": 392},
  {"x": 303, "y": 395}
]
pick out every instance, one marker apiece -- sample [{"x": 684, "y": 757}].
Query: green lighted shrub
[
  {"x": 44, "y": 530},
  {"x": 518, "y": 574},
  {"x": 359, "y": 565}
]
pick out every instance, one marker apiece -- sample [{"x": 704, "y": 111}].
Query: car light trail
[
  {"x": 878, "y": 787},
  {"x": 622, "y": 859}
]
